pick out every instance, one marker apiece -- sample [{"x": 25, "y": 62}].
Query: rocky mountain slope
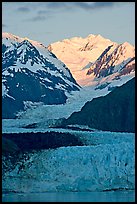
[
  {"x": 113, "y": 112},
  {"x": 114, "y": 61}
]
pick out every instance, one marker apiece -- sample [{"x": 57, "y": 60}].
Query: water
[{"x": 110, "y": 196}]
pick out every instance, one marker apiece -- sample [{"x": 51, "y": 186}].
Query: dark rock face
[
  {"x": 127, "y": 68},
  {"x": 27, "y": 142},
  {"x": 104, "y": 57},
  {"x": 18, "y": 147},
  {"x": 28, "y": 75},
  {"x": 9, "y": 146},
  {"x": 113, "y": 112}
]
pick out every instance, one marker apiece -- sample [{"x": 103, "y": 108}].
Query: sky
[{"x": 48, "y": 22}]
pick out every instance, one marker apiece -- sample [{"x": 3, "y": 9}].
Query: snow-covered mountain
[
  {"x": 94, "y": 54},
  {"x": 31, "y": 73},
  {"x": 56, "y": 79},
  {"x": 77, "y": 52}
]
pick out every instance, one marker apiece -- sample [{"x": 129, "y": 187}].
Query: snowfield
[{"x": 97, "y": 167}]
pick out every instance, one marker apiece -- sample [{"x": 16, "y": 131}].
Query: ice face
[{"x": 96, "y": 167}]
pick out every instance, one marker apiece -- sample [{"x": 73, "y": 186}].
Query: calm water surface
[{"x": 110, "y": 196}]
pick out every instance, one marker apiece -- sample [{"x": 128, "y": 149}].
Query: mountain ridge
[
  {"x": 81, "y": 54},
  {"x": 31, "y": 73}
]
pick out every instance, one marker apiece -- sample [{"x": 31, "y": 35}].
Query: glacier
[{"x": 101, "y": 165}]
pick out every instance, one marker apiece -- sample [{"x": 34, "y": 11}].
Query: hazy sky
[{"x": 48, "y": 22}]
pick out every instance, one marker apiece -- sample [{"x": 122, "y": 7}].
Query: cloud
[
  {"x": 83, "y": 5},
  {"x": 24, "y": 9},
  {"x": 37, "y": 18},
  {"x": 3, "y": 25},
  {"x": 41, "y": 11},
  {"x": 56, "y": 5},
  {"x": 94, "y": 5},
  {"x": 44, "y": 12},
  {"x": 41, "y": 15}
]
